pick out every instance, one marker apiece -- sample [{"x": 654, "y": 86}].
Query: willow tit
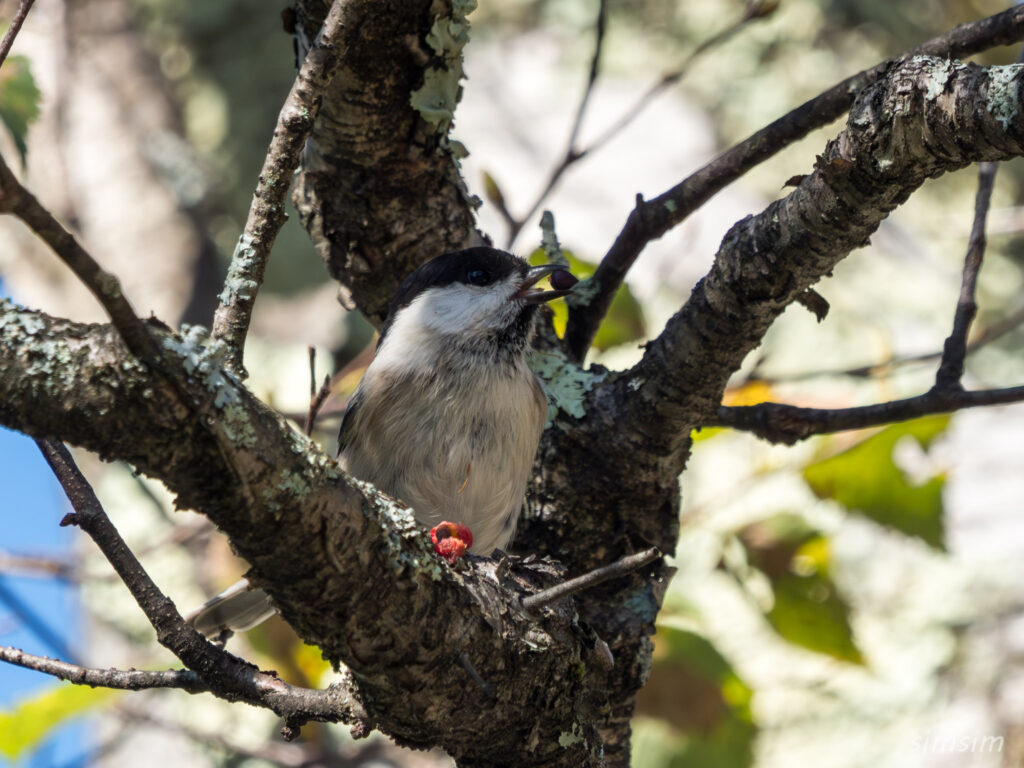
[{"x": 448, "y": 416}]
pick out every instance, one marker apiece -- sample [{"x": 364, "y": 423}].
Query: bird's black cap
[{"x": 473, "y": 266}]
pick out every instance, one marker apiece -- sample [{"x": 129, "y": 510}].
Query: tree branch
[
  {"x": 266, "y": 213},
  {"x": 788, "y": 424},
  {"x": 313, "y": 536},
  {"x": 653, "y": 218},
  {"x": 380, "y": 190},
  {"x": 14, "y": 198},
  {"x": 954, "y": 351},
  {"x": 226, "y": 676},
  {"x": 24, "y": 6},
  {"x": 592, "y": 578},
  {"x": 121, "y": 679},
  {"x": 928, "y": 116}
]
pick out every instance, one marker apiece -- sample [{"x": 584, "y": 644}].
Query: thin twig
[
  {"x": 754, "y": 11},
  {"x": 14, "y": 198},
  {"x": 227, "y": 676},
  {"x": 30, "y": 619},
  {"x": 651, "y": 219},
  {"x": 267, "y": 212},
  {"x": 788, "y": 424},
  {"x": 620, "y": 567},
  {"x": 951, "y": 369},
  {"x": 467, "y": 665},
  {"x": 12, "y": 31},
  {"x": 986, "y": 336},
  {"x": 317, "y": 403},
  {"x": 572, "y": 154},
  {"x": 121, "y": 679}
]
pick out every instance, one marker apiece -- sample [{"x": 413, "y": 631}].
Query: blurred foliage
[
  {"x": 29, "y": 722},
  {"x": 624, "y": 321},
  {"x": 806, "y": 609},
  {"x": 867, "y": 480},
  {"x": 703, "y": 706},
  {"x": 231, "y": 69},
  {"x": 19, "y": 100}
]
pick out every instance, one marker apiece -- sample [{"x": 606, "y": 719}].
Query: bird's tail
[{"x": 236, "y": 609}]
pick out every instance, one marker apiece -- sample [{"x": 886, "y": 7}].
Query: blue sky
[{"x": 31, "y": 506}]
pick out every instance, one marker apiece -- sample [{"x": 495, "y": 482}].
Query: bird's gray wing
[{"x": 238, "y": 608}]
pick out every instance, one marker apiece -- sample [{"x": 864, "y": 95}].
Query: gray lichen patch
[
  {"x": 437, "y": 98},
  {"x": 240, "y": 284},
  {"x": 565, "y": 383},
  {"x": 939, "y": 71},
  {"x": 1003, "y": 101},
  {"x": 204, "y": 360},
  {"x": 406, "y": 542}
]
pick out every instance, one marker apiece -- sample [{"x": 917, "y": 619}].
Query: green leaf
[
  {"x": 694, "y": 710},
  {"x": 624, "y": 321},
  {"x": 806, "y": 610},
  {"x": 19, "y": 100},
  {"x": 31, "y": 720},
  {"x": 867, "y": 481}
]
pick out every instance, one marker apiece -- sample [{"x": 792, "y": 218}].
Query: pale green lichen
[
  {"x": 239, "y": 285},
  {"x": 568, "y": 739},
  {"x": 237, "y": 426},
  {"x": 583, "y": 293},
  {"x": 670, "y": 206},
  {"x": 404, "y": 538},
  {"x": 549, "y": 240},
  {"x": 437, "y": 98},
  {"x": 1003, "y": 97},
  {"x": 565, "y": 383},
  {"x": 204, "y": 359},
  {"x": 939, "y": 71}
]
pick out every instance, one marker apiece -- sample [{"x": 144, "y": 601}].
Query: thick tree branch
[
  {"x": 349, "y": 569},
  {"x": 14, "y": 198},
  {"x": 380, "y": 190},
  {"x": 954, "y": 351},
  {"x": 653, "y": 218},
  {"x": 266, "y": 213},
  {"x": 788, "y": 424},
  {"x": 225, "y": 675},
  {"x": 928, "y": 116}
]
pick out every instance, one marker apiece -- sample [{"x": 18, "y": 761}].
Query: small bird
[{"x": 448, "y": 416}]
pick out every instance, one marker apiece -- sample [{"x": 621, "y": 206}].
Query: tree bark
[{"x": 349, "y": 568}]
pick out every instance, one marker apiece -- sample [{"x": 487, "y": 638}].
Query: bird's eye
[{"x": 478, "y": 277}]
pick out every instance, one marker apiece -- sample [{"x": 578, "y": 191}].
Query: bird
[{"x": 448, "y": 416}]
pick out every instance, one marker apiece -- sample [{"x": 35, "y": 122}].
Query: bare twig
[
  {"x": 758, "y": 9},
  {"x": 788, "y": 424},
  {"x": 32, "y": 565},
  {"x": 226, "y": 676},
  {"x": 986, "y": 336},
  {"x": 121, "y": 679},
  {"x": 591, "y": 578},
  {"x": 12, "y": 31},
  {"x": 14, "y": 198},
  {"x": 651, "y": 219},
  {"x": 317, "y": 403},
  {"x": 572, "y": 154},
  {"x": 267, "y": 213},
  {"x": 30, "y": 619},
  {"x": 951, "y": 369}
]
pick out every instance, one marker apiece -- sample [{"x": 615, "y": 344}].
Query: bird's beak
[{"x": 535, "y": 274}]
